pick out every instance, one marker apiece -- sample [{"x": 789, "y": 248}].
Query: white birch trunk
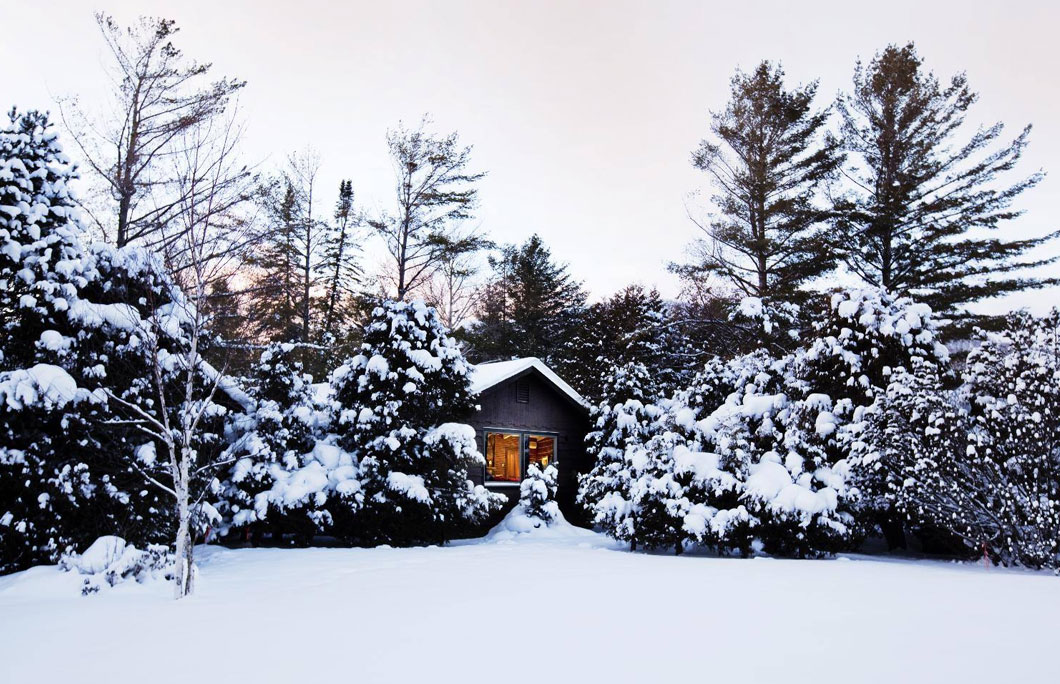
[{"x": 185, "y": 569}]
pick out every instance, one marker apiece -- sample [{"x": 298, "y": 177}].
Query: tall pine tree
[
  {"x": 927, "y": 209},
  {"x": 342, "y": 269},
  {"x": 769, "y": 160}
]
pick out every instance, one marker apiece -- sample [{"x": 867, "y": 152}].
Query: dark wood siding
[{"x": 548, "y": 411}]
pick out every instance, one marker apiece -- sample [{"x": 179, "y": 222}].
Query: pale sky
[{"x": 583, "y": 113}]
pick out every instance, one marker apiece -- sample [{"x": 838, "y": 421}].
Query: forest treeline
[
  {"x": 884, "y": 185},
  {"x": 195, "y": 346}
]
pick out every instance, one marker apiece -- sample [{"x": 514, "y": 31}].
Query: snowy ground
[{"x": 562, "y": 607}]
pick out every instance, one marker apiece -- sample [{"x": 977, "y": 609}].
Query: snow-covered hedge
[{"x": 72, "y": 335}]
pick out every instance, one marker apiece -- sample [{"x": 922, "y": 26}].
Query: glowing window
[
  {"x": 503, "y": 457},
  {"x": 541, "y": 450}
]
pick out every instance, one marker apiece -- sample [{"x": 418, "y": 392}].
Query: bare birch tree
[{"x": 184, "y": 393}]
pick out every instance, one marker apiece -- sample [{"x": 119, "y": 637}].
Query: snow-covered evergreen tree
[
  {"x": 867, "y": 336},
  {"x": 65, "y": 476},
  {"x": 868, "y": 333},
  {"x": 911, "y": 448},
  {"x": 980, "y": 464},
  {"x": 269, "y": 443},
  {"x": 757, "y": 464},
  {"x": 752, "y": 456},
  {"x": 1013, "y": 389},
  {"x": 622, "y": 419},
  {"x": 399, "y": 402}
]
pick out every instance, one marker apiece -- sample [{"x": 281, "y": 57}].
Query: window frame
[{"x": 524, "y": 452}]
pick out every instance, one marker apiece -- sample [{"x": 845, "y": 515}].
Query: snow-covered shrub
[
  {"x": 868, "y": 335},
  {"x": 911, "y": 448},
  {"x": 754, "y": 455},
  {"x": 1012, "y": 385},
  {"x": 759, "y": 468},
  {"x": 111, "y": 560},
  {"x": 537, "y": 495},
  {"x": 397, "y": 406}
]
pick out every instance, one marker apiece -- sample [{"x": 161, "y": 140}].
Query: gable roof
[{"x": 487, "y": 375}]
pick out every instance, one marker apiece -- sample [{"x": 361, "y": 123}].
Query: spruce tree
[
  {"x": 929, "y": 212},
  {"x": 268, "y": 443},
  {"x": 623, "y": 419},
  {"x": 769, "y": 160},
  {"x": 273, "y": 302},
  {"x": 341, "y": 267},
  {"x": 630, "y": 326}
]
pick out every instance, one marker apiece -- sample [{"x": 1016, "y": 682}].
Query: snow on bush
[
  {"x": 285, "y": 472},
  {"x": 69, "y": 338},
  {"x": 623, "y": 418},
  {"x": 43, "y": 384},
  {"x": 111, "y": 560},
  {"x": 980, "y": 463}
]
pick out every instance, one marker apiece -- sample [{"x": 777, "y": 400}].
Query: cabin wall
[{"x": 548, "y": 411}]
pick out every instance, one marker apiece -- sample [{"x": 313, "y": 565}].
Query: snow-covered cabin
[{"x": 528, "y": 414}]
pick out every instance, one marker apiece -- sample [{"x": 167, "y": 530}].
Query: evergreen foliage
[
  {"x": 66, "y": 475},
  {"x": 537, "y": 495},
  {"x": 630, "y": 326},
  {"x": 268, "y": 443},
  {"x": 623, "y": 418},
  {"x": 979, "y": 465},
  {"x": 530, "y": 308},
  {"x": 342, "y": 269}
]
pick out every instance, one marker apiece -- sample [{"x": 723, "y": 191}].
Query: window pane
[
  {"x": 541, "y": 450},
  {"x": 502, "y": 457}
]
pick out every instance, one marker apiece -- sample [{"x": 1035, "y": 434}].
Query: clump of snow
[
  {"x": 518, "y": 526},
  {"x": 42, "y": 384}
]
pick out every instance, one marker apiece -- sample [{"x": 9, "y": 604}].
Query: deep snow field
[{"x": 556, "y": 606}]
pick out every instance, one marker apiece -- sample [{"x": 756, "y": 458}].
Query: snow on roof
[{"x": 487, "y": 375}]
